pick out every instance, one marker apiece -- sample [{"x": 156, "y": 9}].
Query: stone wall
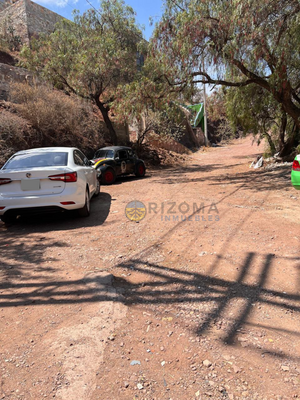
[
  {"x": 27, "y": 18},
  {"x": 40, "y": 19},
  {"x": 15, "y": 15},
  {"x": 4, "y": 4}
]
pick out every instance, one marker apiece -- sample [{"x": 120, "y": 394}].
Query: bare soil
[{"x": 185, "y": 304}]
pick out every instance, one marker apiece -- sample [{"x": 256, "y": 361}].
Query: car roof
[
  {"x": 116, "y": 148},
  {"x": 46, "y": 149}
]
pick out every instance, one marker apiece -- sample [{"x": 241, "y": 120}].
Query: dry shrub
[
  {"x": 60, "y": 120},
  {"x": 14, "y": 134},
  {"x": 219, "y": 127}
]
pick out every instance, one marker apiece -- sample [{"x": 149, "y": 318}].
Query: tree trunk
[
  {"x": 282, "y": 131},
  {"x": 290, "y": 143},
  {"x": 271, "y": 143},
  {"x": 285, "y": 98},
  {"x": 104, "y": 111}
]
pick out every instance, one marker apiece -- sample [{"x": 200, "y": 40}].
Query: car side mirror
[{"x": 91, "y": 163}]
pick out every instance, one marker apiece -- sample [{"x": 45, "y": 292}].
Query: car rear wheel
[
  {"x": 85, "y": 211},
  {"x": 97, "y": 189},
  {"x": 140, "y": 170},
  {"x": 8, "y": 218},
  {"x": 108, "y": 177}
]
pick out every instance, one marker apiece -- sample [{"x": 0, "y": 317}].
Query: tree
[
  {"x": 220, "y": 126},
  {"x": 234, "y": 43},
  {"x": 150, "y": 105},
  {"x": 255, "y": 110},
  {"x": 91, "y": 56}
]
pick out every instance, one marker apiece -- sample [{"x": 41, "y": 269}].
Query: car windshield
[
  {"x": 37, "y": 160},
  {"x": 104, "y": 154}
]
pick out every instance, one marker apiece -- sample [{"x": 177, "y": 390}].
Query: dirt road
[{"x": 198, "y": 300}]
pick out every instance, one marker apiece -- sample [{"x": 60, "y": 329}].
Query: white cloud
[{"x": 57, "y": 3}]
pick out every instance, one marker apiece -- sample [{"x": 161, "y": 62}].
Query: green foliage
[
  {"x": 216, "y": 106},
  {"x": 254, "y": 110},
  {"x": 235, "y": 44},
  {"x": 9, "y": 40},
  {"x": 220, "y": 126},
  {"x": 150, "y": 106},
  {"x": 167, "y": 124},
  {"x": 92, "y": 56}
]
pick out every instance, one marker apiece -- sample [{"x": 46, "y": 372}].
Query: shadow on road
[
  {"x": 219, "y": 302},
  {"x": 131, "y": 178},
  {"x": 228, "y": 303},
  {"x": 100, "y": 208},
  {"x": 266, "y": 180},
  {"x": 215, "y": 298}
]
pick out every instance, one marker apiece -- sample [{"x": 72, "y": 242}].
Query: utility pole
[{"x": 205, "y": 114}]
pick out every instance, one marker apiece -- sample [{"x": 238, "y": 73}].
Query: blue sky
[{"x": 143, "y": 8}]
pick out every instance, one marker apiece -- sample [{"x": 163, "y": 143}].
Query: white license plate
[{"x": 30, "y": 184}]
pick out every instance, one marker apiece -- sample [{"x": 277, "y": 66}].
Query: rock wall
[
  {"x": 9, "y": 75},
  {"x": 5, "y": 3},
  {"x": 40, "y": 19},
  {"x": 15, "y": 16},
  {"x": 27, "y": 18}
]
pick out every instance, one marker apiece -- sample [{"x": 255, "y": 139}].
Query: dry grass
[
  {"x": 61, "y": 120},
  {"x": 14, "y": 134},
  {"x": 39, "y": 116}
]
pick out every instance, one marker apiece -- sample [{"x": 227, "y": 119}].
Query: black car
[{"x": 116, "y": 161}]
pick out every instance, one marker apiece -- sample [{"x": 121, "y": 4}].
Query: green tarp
[{"x": 197, "y": 115}]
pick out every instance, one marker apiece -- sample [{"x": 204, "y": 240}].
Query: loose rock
[{"x": 207, "y": 363}]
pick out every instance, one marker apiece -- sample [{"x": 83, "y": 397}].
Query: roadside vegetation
[
  {"x": 247, "y": 47},
  {"x": 41, "y": 116},
  {"x": 9, "y": 40},
  {"x": 244, "y": 51},
  {"x": 90, "y": 57}
]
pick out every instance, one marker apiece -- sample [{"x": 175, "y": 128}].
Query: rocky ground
[{"x": 199, "y": 300}]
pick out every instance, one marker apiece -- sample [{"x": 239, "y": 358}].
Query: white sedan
[{"x": 47, "y": 180}]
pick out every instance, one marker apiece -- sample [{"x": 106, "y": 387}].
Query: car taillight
[
  {"x": 69, "y": 177},
  {"x": 4, "y": 181},
  {"x": 296, "y": 166}
]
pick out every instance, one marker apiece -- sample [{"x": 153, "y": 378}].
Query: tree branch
[
  {"x": 65, "y": 82},
  {"x": 177, "y": 5},
  {"x": 207, "y": 80},
  {"x": 255, "y": 78}
]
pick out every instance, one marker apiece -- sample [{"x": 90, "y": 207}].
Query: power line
[
  {"x": 93, "y": 7},
  {"x": 97, "y": 11}
]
